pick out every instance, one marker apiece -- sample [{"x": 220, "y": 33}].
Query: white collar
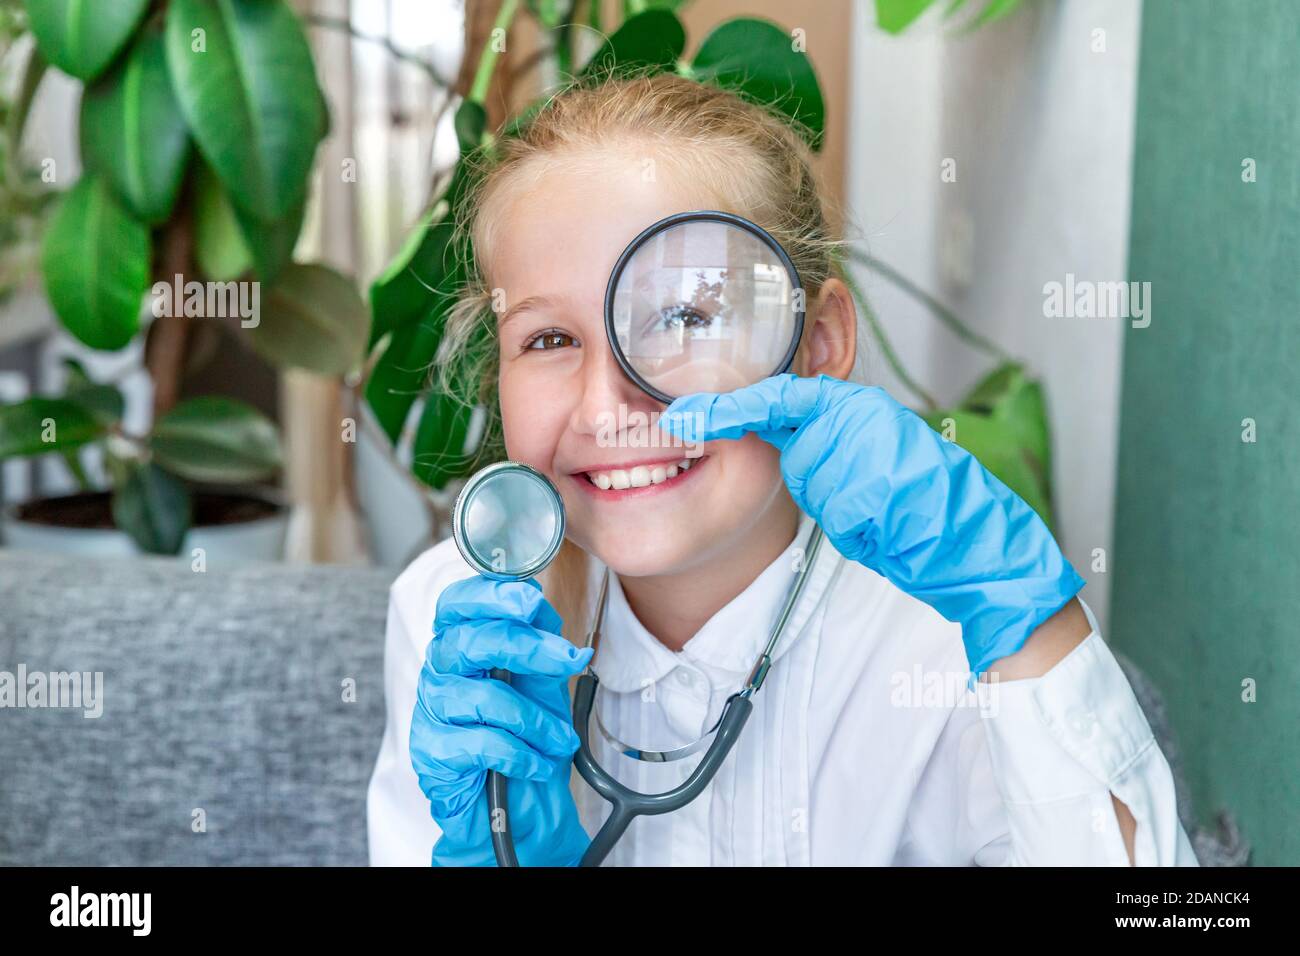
[{"x": 630, "y": 658}]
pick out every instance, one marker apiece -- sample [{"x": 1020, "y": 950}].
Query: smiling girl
[{"x": 854, "y": 753}]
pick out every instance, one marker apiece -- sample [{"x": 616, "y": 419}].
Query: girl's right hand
[{"x": 466, "y": 723}]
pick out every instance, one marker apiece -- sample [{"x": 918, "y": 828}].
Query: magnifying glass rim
[
  {"x": 700, "y": 215},
  {"x": 462, "y": 506}
]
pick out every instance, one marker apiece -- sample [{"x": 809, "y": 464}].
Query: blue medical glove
[
  {"x": 894, "y": 495},
  {"x": 465, "y": 723}
]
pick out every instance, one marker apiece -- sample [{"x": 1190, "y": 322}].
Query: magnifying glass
[{"x": 703, "y": 301}]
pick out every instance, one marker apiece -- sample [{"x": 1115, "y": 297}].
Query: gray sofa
[
  {"x": 225, "y": 736},
  {"x": 223, "y": 712}
]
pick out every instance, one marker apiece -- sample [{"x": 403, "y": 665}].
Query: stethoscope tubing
[{"x": 627, "y": 804}]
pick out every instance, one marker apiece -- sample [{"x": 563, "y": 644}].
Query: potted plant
[
  {"x": 1003, "y": 421},
  {"x": 199, "y": 124}
]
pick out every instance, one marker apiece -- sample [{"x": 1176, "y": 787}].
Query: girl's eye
[
  {"x": 549, "y": 339},
  {"x": 686, "y": 317},
  {"x": 682, "y": 319}
]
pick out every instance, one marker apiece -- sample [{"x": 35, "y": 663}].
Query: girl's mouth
[{"x": 637, "y": 481}]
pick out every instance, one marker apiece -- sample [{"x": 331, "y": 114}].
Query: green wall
[{"x": 1206, "y": 588}]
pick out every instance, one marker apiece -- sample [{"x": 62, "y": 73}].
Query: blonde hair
[{"x": 752, "y": 161}]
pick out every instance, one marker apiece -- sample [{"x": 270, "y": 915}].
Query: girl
[{"x": 854, "y": 753}]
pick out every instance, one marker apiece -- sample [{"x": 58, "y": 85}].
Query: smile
[{"x": 637, "y": 480}]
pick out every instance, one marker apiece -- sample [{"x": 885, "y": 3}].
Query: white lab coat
[{"x": 864, "y": 747}]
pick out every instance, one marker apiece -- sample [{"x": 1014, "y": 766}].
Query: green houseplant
[
  {"x": 1002, "y": 421},
  {"x": 895, "y": 16},
  {"x": 199, "y": 125}
]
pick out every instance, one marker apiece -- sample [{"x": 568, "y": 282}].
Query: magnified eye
[
  {"x": 548, "y": 340},
  {"x": 682, "y": 317}
]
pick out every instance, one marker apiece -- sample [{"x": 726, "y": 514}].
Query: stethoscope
[
  {"x": 508, "y": 521},
  {"x": 628, "y": 804}
]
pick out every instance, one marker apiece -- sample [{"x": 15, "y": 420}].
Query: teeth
[{"x": 638, "y": 477}]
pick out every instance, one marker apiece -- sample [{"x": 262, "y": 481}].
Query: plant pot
[{"x": 230, "y": 526}]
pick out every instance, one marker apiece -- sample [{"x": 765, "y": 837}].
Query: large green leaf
[
  {"x": 411, "y": 300},
  {"x": 154, "y": 508},
  {"x": 402, "y": 372},
  {"x": 995, "y": 445},
  {"x": 229, "y": 241},
  {"x": 312, "y": 318},
  {"x": 427, "y": 271},
  {"x": 25, "y": 425},
  {"x": 996, "y": 10},
  {"x": 96, "y": 265},
  {"x": 219, "y": 247},
  {"x": 653, "y": 39},
  {"x": 438, "y": 453},
  {"x": 1007, "y": 395},
  {"x": 895, "y": 16},
  {"x": 133, "y": 133},
  {"x": 470, "y": 121},
  {"x": 423, "y": 277},
  {"x": 757, "y": 59},
  {"x": 1003, "y": 423},
  {"x": 244, "y": 76},
  {"x": 270, "y": 243},
  {"x": 216, "y": 439},
  {"x": 81, "y": 37},
  {"x": 633, "y": 7},
  {"x": 105, "y": 402}
]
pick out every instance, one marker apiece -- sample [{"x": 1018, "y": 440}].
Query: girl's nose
[{"x": 604, "y": 389}]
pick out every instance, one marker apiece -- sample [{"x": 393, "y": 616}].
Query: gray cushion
[{"x": 223, "y": 692}]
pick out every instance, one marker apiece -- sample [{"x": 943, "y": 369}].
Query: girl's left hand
[{"x": 893, "y": 494}]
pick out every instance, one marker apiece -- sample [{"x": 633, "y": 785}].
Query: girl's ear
[{"x": 830, "y": 338}]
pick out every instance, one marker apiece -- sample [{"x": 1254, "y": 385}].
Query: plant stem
[
  {"x": 564, "y": 48},
  {"x": 487, "y": 61},
  {"x": 33, "y": 72},
  {"x": 396, "y": 52},
  {"x": 941, "y": 312},
  {"x": 168, "y": 340},
  {"x": 891, "y": 357}
]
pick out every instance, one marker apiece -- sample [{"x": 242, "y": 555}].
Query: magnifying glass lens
[{"x": 704, "y": 306}]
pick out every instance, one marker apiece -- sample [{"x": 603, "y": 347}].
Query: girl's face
[{"x": 567, "y": 408}]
